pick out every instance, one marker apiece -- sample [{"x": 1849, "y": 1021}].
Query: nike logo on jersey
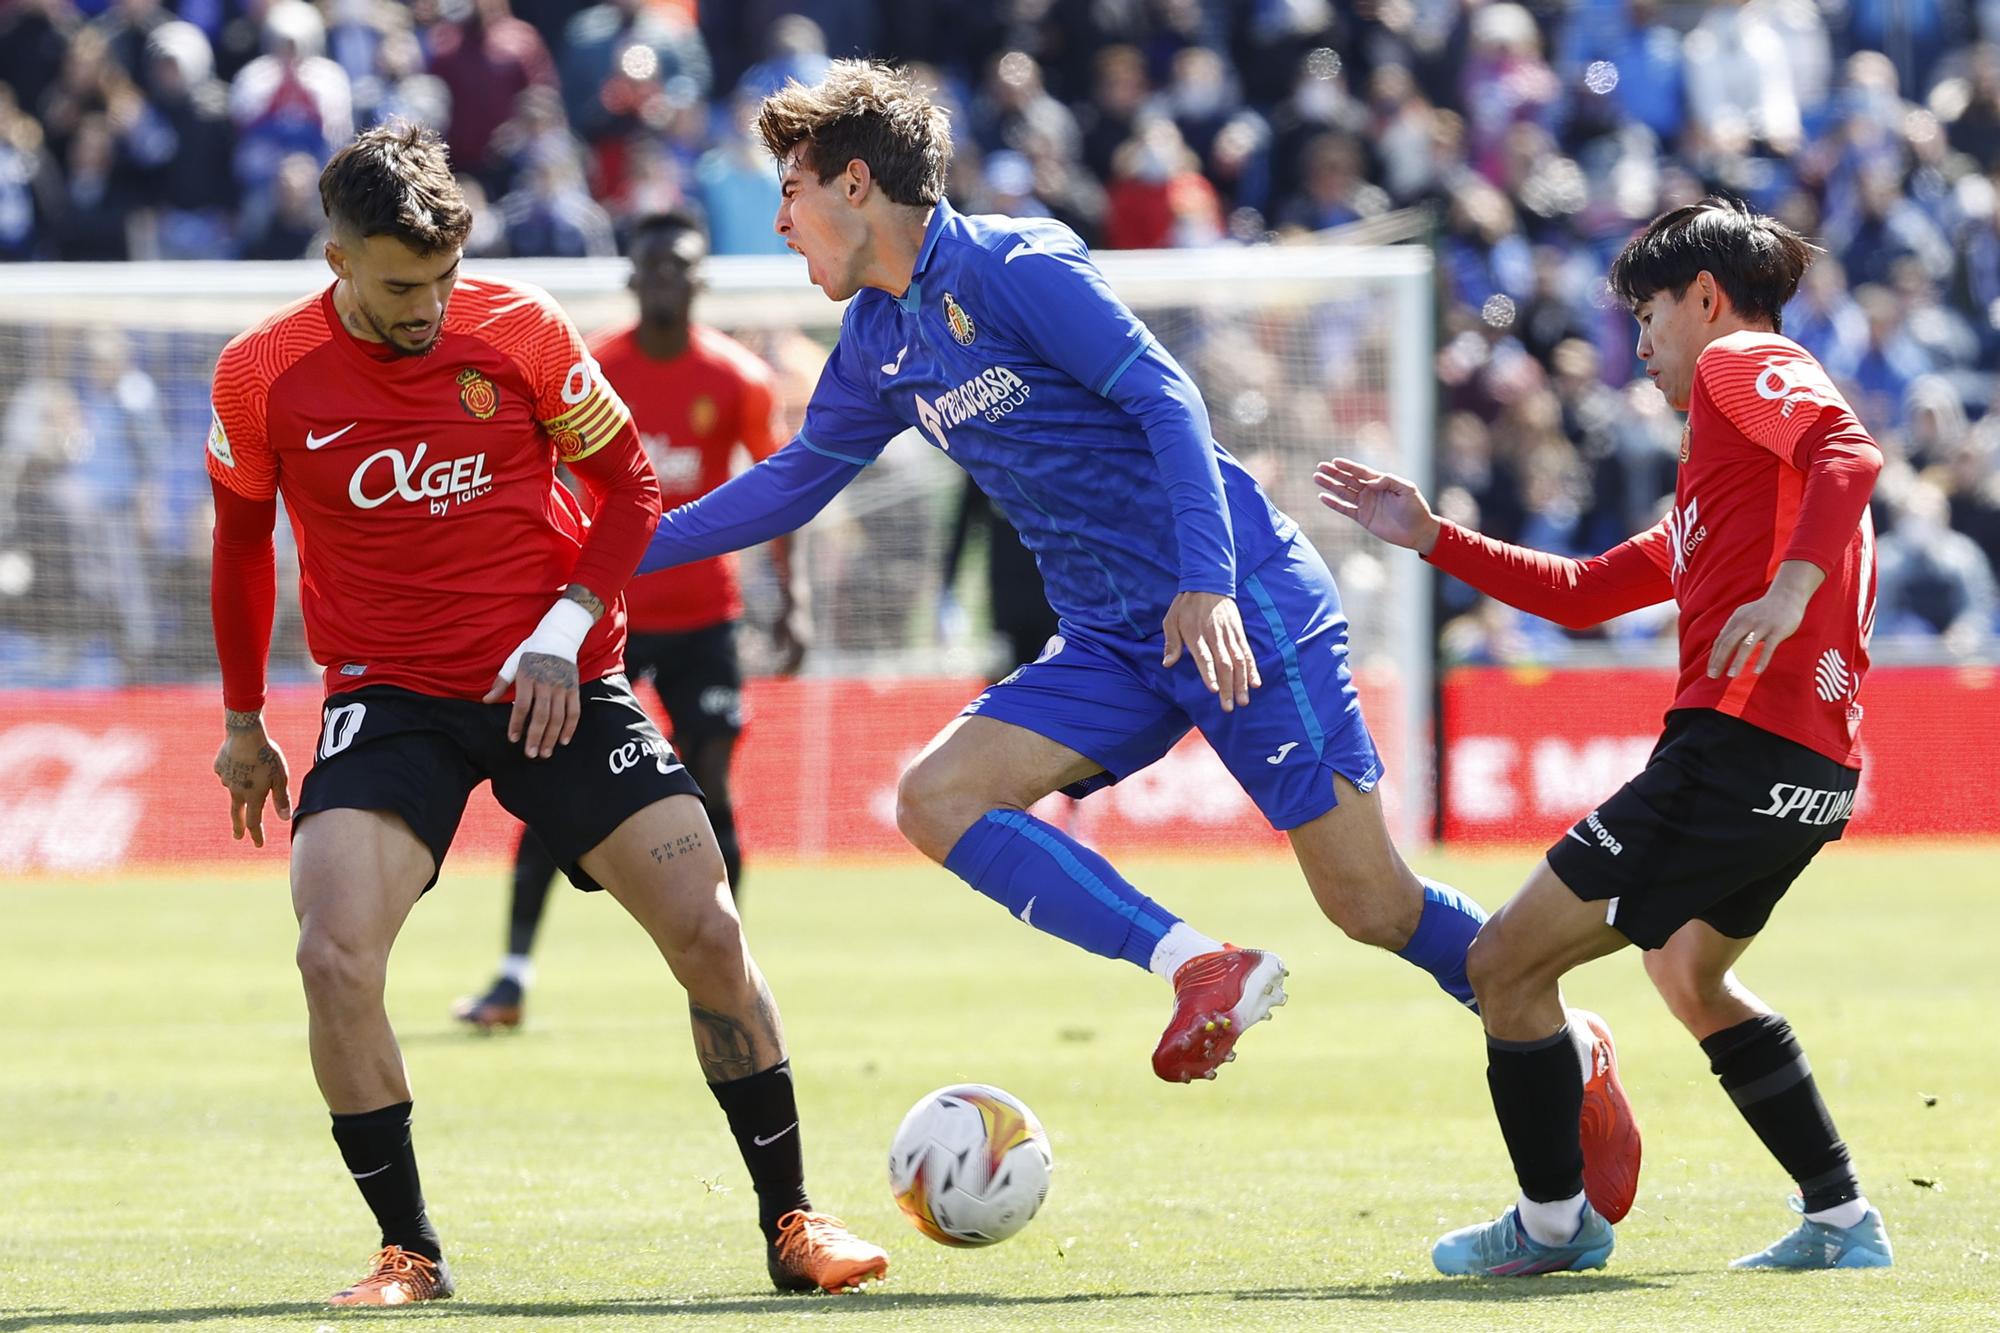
[
  {"x": 891, "y": 367},
  {"x": 1283, "y": 750},
  {"x": 1032, "y": 245},
  {"x": 763, "y": 1142},
  {"x": 321, "y": 441}
]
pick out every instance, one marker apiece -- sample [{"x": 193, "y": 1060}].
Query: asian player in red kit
[
  {"x": 696, "y": 396},
  {"x": 412, "y": 421},
  {"x": 1770, "y": 555}
]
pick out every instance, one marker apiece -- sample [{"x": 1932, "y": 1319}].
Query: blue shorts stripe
[
  {"x": 1289, "y": 653},
  {"x": 1078, "y": 871}
]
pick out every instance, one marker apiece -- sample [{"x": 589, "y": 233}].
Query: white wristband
[{"x": 560, "y": 634}]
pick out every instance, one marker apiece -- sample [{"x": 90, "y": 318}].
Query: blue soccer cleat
[
  {"x": 1503, "y": 1248},
  {"x": 1818, "y": 1245}
]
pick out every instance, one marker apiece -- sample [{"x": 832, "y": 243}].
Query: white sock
[
  {"x": 1551, "y": 1223},
  {"x": 518, "y": 968},
  {"x": 1180, "y": 943},
  {"x": 1585, "y": 1041},
  {"x": 1842, "y": 1215}
]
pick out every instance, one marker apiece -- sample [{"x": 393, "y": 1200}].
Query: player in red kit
[
  {"x": 696, "y": 395},
  {"x": 412, "y": 422},
  {"x": 1770, "y": 555}
]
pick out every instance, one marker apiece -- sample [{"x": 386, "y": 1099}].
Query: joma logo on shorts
[
  {"x": 1604, "y": 838},
  {"x": 1808, "y": 805}
]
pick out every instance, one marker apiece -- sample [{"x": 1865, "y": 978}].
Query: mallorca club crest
[
  {"x": 703, "y": 414},
  {"x": 961, "y": 324},
  {"x": 477, "y": 394},
  {"x": 1687, "y": 438}
]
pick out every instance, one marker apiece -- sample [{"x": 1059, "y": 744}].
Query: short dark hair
[
  {"x": 1757, "y": 260},
  {"x": 865, "y": 109},
  {"x": 667, "y": 222},
  {"x": 395, "y": 180}
]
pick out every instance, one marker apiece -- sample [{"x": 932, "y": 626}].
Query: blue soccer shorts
[{"x": 1110, "y": 700}]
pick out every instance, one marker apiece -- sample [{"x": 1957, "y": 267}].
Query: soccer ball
[{"x": 969, "y": 1165}]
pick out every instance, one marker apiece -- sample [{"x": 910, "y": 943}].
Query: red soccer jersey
[
  {"x": 432, "y": 533},
  {"x": 1774, "y": 467},
  {"x": 692, "y": 412}
]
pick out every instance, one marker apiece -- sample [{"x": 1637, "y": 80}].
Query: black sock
[
  {"x": 764, "y": 1117},
  {"x": 376, "y": 1147},
  {"x": 1537, "y": 1091},
  {"x": 534, "y": 871},
  {"x": 1765, "y": 1073}
]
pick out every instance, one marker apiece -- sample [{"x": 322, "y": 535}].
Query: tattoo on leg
[
  {"x": 728, "y": 1048},
  {"x": 681, "y": 846}
]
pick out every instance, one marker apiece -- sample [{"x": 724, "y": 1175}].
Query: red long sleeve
[
  {"x": 243, "y": 594},
  {"x": 1841, "y": 464},
  {"x": 625, "y": 508},
  {"x": 1576, "y": 594}
]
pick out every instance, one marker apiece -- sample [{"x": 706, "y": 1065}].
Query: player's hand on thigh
[
  {"x": 252, "y": 767},
  {"x": 548, "y": 703},
  {"x": 1209, "y": 628}
]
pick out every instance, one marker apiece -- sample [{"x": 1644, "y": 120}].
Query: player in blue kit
[{"x": 999, "y": 340}]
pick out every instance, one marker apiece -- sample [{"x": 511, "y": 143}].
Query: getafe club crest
[
  {"x": 477, "y": 394},
  {"x": 961, "y": 323}
]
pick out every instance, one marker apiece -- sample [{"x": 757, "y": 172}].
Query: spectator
[
  {"x": 738, "y": 190},
  {"x": 1740, "y": 95},
  {"x": 487, "y": 58},
  {"x": 794, "y": 49},
  {"x": 1890, "y": 363},
  {"x": 1626, "y": 53},
  {"x": 291, "y": 99},
  {"x": 1932, "y": 579},
  {"x": 193, "y": 188},
  {"x": 1336, "y": 192},
  {"x": 1013, "y": 107},
  {"x": 551, "y": 213},
  {"x": 1825, "y": 319},
  {"x": 26, "y": 178},
  {"x": 1969, "y": 106},
  {"x": 596, "y": 41},
  {"x": 1158, "y": 197},
  {"x": 1505, "y": 82},
  {"x": 294, "y": 224},
  {"x": 34, "y": 37},
  {"x": 1889, "y": 227},
  {"x": 1120, "y": 92}
]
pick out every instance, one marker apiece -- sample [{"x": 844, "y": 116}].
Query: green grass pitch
[{"x": 165, "y": 1161}]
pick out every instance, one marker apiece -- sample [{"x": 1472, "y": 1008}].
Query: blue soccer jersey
[{"x": 1010, "y": 353}]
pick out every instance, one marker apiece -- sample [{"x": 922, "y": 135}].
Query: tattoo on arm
[
  {"x": 730, "y": 1048},
  {"x": 232, "y": 720},
  {"x": 585, "y": 598},
  {"x": 240, "y": 774}
]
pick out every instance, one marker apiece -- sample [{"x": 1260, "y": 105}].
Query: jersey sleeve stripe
[
  {"x": 802, "y": 438},
  {"x": 1111, "y": 380}
]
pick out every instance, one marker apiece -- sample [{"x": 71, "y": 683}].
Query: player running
[
  {"x": 998, "y": 339},
  {"x": 1770, "y": 554},
  {"x": 695, "y": 395},
  {"x": 412, "y": 422}
]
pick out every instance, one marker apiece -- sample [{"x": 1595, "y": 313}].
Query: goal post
[{"x": 1301, "y": 351}]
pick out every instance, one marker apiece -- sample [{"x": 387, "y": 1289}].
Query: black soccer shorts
[
  {"x": 1720, "y": 822},
  {"x": 699, "y": 677},
  {"x": 419, "y": 756}
]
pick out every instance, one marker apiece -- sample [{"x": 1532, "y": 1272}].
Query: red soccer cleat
[
  {"x": 1216, "y": 997},
  {"x": 1609, "y": 1130}
]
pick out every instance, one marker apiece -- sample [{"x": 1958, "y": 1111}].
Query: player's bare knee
[
  {"x": 1366, "y": 918},
  {"x": 1498, "y": 974},
  {"x": 335, "y": 969},
  {"x": 1692, "y": 997},
  {"x": 931, "y": 811}
]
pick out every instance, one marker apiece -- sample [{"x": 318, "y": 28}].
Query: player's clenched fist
[{"x": 252, "y": 767}]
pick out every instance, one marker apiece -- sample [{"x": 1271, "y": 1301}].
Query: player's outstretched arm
[
  {"x": 1575, "y": 594},
  {"x": 243, "y": 593},
  {"x": 777, "y": 496}
]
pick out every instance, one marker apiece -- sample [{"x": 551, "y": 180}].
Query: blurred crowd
[{"x": 1526, "y": 140}]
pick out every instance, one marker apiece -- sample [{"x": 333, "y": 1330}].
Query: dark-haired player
[
  {"x": 1770, "y": 555},
  {"x": 999, "y": 341},
  {"x": 696, "y": 395},
  {"x": 413, "y": 421}
]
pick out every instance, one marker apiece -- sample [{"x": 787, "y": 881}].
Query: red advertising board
[{"x": 1531, "y": 750}]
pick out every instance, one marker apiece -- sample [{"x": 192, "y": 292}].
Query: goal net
[{"x": 1301, "y": 352}]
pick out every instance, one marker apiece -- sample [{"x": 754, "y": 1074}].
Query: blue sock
[
  {"x": 1056, "y": 884},
  {"x": 1444, "y": 933}
]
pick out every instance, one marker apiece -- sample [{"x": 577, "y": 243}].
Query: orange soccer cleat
[
  {"x": 815, "y": 1250},
  {"x": 499, "y": 1008},
  {"x": 1609, "y": 1130},
  {"x": 399, "y": 1277},
  {"x": 1216, "y": 997}
]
